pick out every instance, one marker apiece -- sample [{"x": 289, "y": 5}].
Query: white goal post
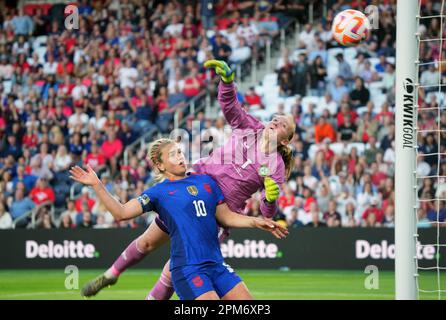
[{"x": 405, "y": 139}]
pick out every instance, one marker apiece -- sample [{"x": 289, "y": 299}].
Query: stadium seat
[
  {"x": 270, "y": 79},
  {"x": 40, "y": 41},
  {"x": 350, "y": 54},
  {"x": 307, "y": 100},
  {"x": 7, "y": 86},
  {"x": 41, "y": 51}
]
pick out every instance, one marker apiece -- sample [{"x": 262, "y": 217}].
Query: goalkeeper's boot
[{"x": 92, "y": 287}]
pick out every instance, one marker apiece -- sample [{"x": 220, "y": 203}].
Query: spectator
[
  {"x": 373, "y": 216},
  {"x": 301, "y": 75},
  {"x": 207, "y": 13},
  {"x": 324, "y": 130},
  {"x": 317, "y": 73},
  {"x": 287, "y": 199},
  {"x": 221, "y": 50},
  {"x": 388, "y": 78},
  {"x": 46, "y": 222},
  {"x": 42, "y": 192},
  {"x": 84, "y": 199},
  {"x": 66, "y": 222},
  {"x": 381, "y": 66},
  {"x": 22, "y": 24},
  {"x": 436, "y": 217},
  {"x": 292, "y": 219},
  {"x": 344, "y": 68},
  {"x": 315, "y": 217},
  {"x": 63, "y": 160},
  {"x": 286, "y": 85},
  {"x": 128, "y": 75},
  {"x": 306, "y": 37},
  {"x": 350, "y": 219},
  {"x": 13, "y": 147},
  {"x": 360, "y": 95},
  {"x": 20, "y": 204},
  {"x": 332, "y": 217},
  {"x": 367, "y": 128},
  {"x": 78, "y": 122},
  {"x": 249, "y": 31},
  {"x": 423, "y": 221},
  {"x": 192, "y": 84},
  {"x": 389, "y": 217},
  {"x": 21, "y": 176},
  {"x": 112, "y": 149},
  {"x": 338, "y": 90},
  {"x": 367, "y": 74},
  {"x": 70, "y": 211},
  {"x": 328, "y": 103},
  {"x": 347, "y": 131},
  {"x": 5, "y": 218},
  {"x": 85, "y": 218}
]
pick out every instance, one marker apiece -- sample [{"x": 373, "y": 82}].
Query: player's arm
[
  {"x": 232, "y": 109},
  {"x": 118, "y": 210},
  {"x": 228, "y": 218}
]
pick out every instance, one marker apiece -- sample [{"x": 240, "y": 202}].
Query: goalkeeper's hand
[
  {"x": 222, "y": 69},
  {"x": 271, "y": 190}
]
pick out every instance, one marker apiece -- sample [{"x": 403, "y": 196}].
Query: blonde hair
[
  {"x": 285, "y": 151},
  {"x": 154, "y": 154}
]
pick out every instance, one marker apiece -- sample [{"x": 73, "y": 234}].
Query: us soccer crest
[
  {"x": 144, "y": 199},
  {"x": 192, "y": 190},
  {"x": 207, "y": 187}
]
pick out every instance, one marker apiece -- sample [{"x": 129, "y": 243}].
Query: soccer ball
[{"x": 350, "y": 27}]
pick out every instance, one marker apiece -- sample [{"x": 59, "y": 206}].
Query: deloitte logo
[
  {"x": 250, "y": 249},
  {"x": 69, "y": 249},
  {"x": 384, "y": 250}
]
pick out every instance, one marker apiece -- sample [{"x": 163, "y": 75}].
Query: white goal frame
[{"x": 405, "y": 145}]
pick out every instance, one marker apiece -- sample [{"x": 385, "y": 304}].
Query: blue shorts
[{"x": 191, "y": 282}]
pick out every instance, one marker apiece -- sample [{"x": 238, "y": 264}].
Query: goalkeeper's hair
[
  {"x": 287, "y": 157},
  {"x": 285, "y": 151},
  {"x": 155, "y": 152}
]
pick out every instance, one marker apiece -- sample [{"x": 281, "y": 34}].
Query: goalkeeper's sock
[
  {"x": 163, "y": 289},
  {"x": 129, "y": 257}
]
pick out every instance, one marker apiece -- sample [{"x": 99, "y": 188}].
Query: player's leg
[
  {"x": 163, "y": 288},
  {"x": 228, "y": 285},
  {"x": 239, "y": 292},
  {"x": 211, "y": 295},
  {"x": 155, "y": 236},
  {"x": 150, "y": 240}
]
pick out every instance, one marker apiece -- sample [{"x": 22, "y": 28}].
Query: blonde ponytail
[
  {"x": 155, "y": 151},
  {"x": 287, "y": 156},
  {"x": 285, "y": 151}
]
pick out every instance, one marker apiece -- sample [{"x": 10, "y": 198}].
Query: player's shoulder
[
  {"x": 154, "y": 189},
  {"x": 197, "y": 176}
]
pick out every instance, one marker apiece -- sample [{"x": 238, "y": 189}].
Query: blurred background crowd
[{"x": 133, "y": 67}]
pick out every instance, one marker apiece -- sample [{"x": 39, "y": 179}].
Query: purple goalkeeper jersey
[{"x": 236, "y": 166}]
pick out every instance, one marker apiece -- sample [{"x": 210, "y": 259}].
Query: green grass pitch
[{"x": 263, "y": 284}]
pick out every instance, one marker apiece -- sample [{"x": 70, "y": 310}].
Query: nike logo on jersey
[{"x": 172, "y": 192}]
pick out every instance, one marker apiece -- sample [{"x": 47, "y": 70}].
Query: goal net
[
  {"x": 430, "y": 146},
  {"x": 420, "y": 150}
]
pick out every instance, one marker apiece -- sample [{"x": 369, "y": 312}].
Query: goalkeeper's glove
[
  {"x": 271, "y": 190},
  {"x": 222, "y": 69}
]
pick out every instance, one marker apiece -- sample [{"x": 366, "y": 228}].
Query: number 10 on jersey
[{"x": 200, "y": 208}]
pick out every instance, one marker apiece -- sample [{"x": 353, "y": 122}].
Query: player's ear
[
  {"x": 160, "y": 166},
  {"x": 285, "y": 142}
]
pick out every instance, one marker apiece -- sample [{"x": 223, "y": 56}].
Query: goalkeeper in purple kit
[{"x": 256, "y": 157}]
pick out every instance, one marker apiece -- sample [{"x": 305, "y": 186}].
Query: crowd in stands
[{"x": 82, "y": 96}]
